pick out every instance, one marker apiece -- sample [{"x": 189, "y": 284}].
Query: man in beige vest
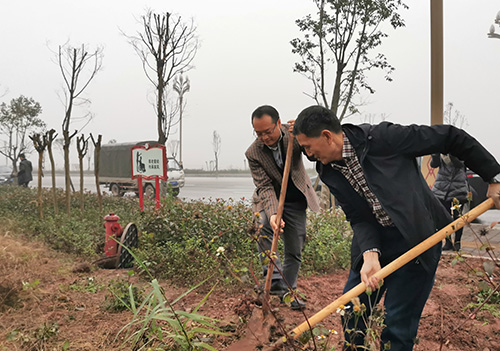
[{"x": 266, "y": 159}]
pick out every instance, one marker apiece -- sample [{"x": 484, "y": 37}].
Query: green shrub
[
  {"x": 121, "y": 293},
  {"x": 328, "y": 242},
  {"x": 182, "y": 240},
  {"x": 80, "y": 233},
  {"x": 186, "y": 242}
]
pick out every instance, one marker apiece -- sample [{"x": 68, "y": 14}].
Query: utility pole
[
  {"x": 437, "y": 86},
  {"x": 181, "y": 86},
  {"x": 437, "y": 105}
]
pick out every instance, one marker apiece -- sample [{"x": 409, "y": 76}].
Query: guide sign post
[{"x": 149, "y": 162}]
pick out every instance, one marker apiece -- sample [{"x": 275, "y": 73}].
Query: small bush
[
  {"x": 328, "y": 242},
  {"x": 182, "y": 240},
  {"x": 121, "y": 293},
  {"x": 186, "y": 242}
]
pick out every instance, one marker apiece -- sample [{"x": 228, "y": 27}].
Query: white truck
[{"x": 115, "y": 172}]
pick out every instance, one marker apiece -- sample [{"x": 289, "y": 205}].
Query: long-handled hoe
[
  {"x": 383, "y": 273},
  {"x": 258, "y": 329},
  {"x": 387, "y": 270}
]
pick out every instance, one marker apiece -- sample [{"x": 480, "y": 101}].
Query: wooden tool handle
[
  {"x": 281, "y": 205},
  {"x": 393, "y": 266}
]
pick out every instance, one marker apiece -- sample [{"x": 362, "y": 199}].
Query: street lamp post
[
  {"x": 491, "y": 33},
  {"x": 437, "y": 74},
  {"x": 181, "y": 86}
]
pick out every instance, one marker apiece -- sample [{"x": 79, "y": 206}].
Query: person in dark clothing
[
  {"x": 450, "y": 186},
  {"x": 373, "y": 173},
  {"x": 25, "y": 169}
]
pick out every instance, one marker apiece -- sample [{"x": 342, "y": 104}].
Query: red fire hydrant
[{"x": 113, "y": 231}]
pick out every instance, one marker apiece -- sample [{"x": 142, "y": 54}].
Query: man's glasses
[{"x": 259, "y": 135}]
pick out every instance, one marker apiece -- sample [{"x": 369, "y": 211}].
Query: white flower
[
  {"x": 220, "y": 250},
  {"x": 341, "y": 309}
]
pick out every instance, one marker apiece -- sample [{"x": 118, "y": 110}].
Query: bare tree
[
  {"x": 17, "y": 119},
  {"x": 82, "y": 146},
  {"x": 78, "y": 67},
  {"x": 337, "y": 49},
  {"x": 40, "y": 144},
  {"x": 166, "y": 46},
  {"x": 181, "y": 87},
  {"x": 51, "y": 136},
  {"x": 455, "y": 118},
  {"x": 173, "y": 147},
  {"x": 216, "y": 143},
  {"x": 97, "y": 158},
  {"x": 90, "y": 154}
]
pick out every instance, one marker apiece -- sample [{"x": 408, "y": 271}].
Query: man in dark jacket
[
  {"x": 24, "y": 174},
  {"x": 373, "y": 173}
]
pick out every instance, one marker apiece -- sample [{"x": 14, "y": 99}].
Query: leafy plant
[
  {"x": 88, "y": 285},
  {"x": 30, "y": 285},
  {"x": 158, "y": 323},
  {"x": 488, "y": 300},
  {"x": 328, "y": 242},
  {"x": 122, "y": 292},
  {"x": 36, "y": 339}
]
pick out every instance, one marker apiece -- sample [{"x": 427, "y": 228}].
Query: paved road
[
  {"x": 222, "y": 187},
  {"x": 212, "y": 187},
  {"x": 195, "y": 187}
]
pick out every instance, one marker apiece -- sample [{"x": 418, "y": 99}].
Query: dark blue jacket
[
  {"x": 24, "y": 174},
  {"x": 387, "y": 153}
]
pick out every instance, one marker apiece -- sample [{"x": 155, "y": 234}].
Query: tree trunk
[
  {"x": 40, "y": 171},
  {"x": 53, "y": 173},
  {"x": 66, "y": 172},
  {"x": 96, "y": 172},
  {"x": 97, "y": 161},
  {"x": 82, "y": 200}
]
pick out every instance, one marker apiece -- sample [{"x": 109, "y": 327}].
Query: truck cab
[{"x": 175, "y": 171}]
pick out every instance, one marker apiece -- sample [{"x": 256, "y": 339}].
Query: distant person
[
  {"x": 266, "y": 159},
  {"x": 450, "y": 184},
  {"x": 373, "y": 174},
  {"x": 24, "y": 174}
]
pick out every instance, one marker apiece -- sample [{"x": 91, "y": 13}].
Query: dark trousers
[
  {"x": 406, "y": 291},
  {"x": 294, "y": 236}
]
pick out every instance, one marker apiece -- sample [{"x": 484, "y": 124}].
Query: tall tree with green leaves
[
  {"x": 339, "y": 46},
  {"x": 166, "y": 46},
  {"x": 18, "y": 119}
]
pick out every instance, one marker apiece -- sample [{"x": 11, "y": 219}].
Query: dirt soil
[{"x": 47, "y": 303}]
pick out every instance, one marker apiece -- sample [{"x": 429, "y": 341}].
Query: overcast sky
[{"x": 244, "y": 61}]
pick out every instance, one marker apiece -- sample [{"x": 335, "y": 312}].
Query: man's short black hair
[
  {"x": 266, "y": 110},
  {"x": 22, "y": 155},
  {"x": 313, "y": 119}
]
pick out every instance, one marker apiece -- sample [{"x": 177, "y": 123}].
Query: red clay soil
[{"x": 39, "y": 310}]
